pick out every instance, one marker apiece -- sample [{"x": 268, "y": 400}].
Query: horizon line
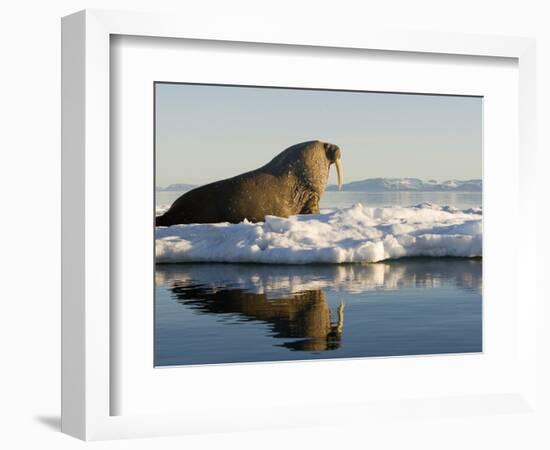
[{"x": 350, "y": 182}]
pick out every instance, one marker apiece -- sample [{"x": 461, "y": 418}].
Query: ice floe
[{"x": 350, "y": 235}]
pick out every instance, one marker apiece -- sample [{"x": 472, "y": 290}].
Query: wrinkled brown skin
[{"x": 291, "y": 183}]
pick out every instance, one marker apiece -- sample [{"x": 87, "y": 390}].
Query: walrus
[{"x": 291, "y": 183}]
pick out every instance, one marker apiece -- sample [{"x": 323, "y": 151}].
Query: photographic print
[{"x": 299, "y": 224}]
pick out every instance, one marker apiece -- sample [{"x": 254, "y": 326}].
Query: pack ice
[{"x": 351, "y": 235}]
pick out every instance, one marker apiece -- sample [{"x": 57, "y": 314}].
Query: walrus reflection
[{"x": 304, "y": 316}]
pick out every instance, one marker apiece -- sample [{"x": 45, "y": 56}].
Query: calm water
[
  {"x": 231, "y": 313},
  {"x": 460, "y": 200},
  {"x": 222, "y": 313}
]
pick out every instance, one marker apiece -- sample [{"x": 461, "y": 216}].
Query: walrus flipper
[{"x": 311, "y": 206}]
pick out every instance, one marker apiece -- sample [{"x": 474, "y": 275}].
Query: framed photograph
[
  {"x": 277, "y": 263},
  {"x": 265, "y": 228}
]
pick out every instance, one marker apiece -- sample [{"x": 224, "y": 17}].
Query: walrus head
[
  {"x": 318, "y": 157},
  {"x": 310, "y": 163}
]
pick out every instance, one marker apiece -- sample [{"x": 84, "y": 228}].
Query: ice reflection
[{"x": 278, "y": 280}]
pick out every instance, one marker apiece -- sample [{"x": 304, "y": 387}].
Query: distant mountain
[
  {"x": 380, "y": 185},
  {"x": 409, "y": 184},
  {"x": 176, "y": 187}
]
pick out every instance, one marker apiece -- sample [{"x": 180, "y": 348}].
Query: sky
[{"x": 206, "y": 133}]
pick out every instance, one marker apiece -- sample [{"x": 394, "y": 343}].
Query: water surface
[
  {"x": 335, "y": 199},
  {"x": 229, "y": 313}
]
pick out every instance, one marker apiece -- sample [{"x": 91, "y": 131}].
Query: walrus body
[{"x": 291, "y": 183}]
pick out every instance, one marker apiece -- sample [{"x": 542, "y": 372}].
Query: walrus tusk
[
  {"x": 340, "y": 325},
  {"x": 340, "y": 173}
]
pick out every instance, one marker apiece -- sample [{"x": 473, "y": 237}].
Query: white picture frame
[{"x": 87, "y": 325}]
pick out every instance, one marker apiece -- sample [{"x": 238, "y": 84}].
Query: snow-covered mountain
[
  {"x": 409, "y": 184},
  {"x": 380, "y": 185}
]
